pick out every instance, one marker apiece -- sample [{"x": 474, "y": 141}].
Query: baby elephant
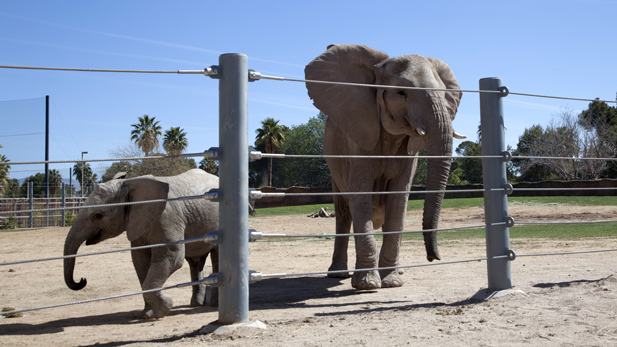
[{"x": 148, "y": 224}]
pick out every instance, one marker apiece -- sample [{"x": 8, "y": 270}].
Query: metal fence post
[
  {"x": 31, "y": 204},
  {"x": 63, "y": 205},
  {"x": 233, "y": 184},
  {"x": 494, "y": 175}
]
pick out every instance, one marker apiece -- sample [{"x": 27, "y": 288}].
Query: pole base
[
  {"x": 487, "y": 294},
  {"x": 241, "y": 328}
]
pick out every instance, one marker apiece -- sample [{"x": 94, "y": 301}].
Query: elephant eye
[
  {"x": 402, "y": 93},
  {"x": 98, "y": 216}
]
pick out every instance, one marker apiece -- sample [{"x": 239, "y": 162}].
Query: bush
[
  {"x": 9, "y": 223},
  {"x": 69, "y": 218}
]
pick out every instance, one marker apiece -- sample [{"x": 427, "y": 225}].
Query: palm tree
[
  {"x": 272, "y": 135},
  {"x": 146, "y": 134},
  {"x": 4, "y": 171},
  {"x": 89, "y": 176},
  {"x": 55, "y": 182},
  {"x": 175, "y": 141}
]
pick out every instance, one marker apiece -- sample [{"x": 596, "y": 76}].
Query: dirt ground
[{"x": 563, "y": 300}]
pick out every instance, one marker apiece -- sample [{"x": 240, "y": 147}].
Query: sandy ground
[{"x": 565, "y": 300}]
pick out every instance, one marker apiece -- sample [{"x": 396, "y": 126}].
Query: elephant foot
[
  {"x": 147, "y": 312},
  {"x": 338, "y": 267},
  {"x": 199, "y": 297},
  {"x": 162, "y": 307},
  {"x": 391, "y": 279},
  {"x": 366, "y": 280}
]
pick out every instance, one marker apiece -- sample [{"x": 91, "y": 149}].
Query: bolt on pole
[
  {"x": 494, "y": 175},
  {"x": 233, "y": 188}
]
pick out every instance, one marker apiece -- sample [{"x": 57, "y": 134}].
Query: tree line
[
  {"x": 590, "y": 134},
  {"x": 146, "y": 136},
  {"x": 569, "y": 136}
]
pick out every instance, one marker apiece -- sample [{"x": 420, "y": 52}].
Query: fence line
[
  {"x": 233, "y": 97},
  {"x": 212, "y": 194},
  {"x": 211, "y": 153}
]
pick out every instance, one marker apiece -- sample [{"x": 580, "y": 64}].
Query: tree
[
  {"x": 146, "y": 134},
  {"x": 599, "y": 122},
  {"x": 38, "y": 185},
  {"x": 89, "y": 176},
  {"x": 561, "y": 138},
  {"x": 175, "y": 141},
  {"x": 470, "y": 169},
  {"x": 55, "y": 183},
  {"x": 272, "y": 135},
  {"x": 209, "y": 166},
  {"x": 4, "y": 171},
  {"x": 305, "y": 139},
  {"x": 12, "y": 188}
]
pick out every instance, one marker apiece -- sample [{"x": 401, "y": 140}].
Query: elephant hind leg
[
  {"x": 341, "y": 243},
  {"x": 196, "y": 266}
]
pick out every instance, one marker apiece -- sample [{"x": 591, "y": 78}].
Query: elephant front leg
[
  {"x": 396, "y": 206},
  {"x": 163, "y": 262},
  {"x": 343, "y": 226},
  {"x": 366, "y": 247}
]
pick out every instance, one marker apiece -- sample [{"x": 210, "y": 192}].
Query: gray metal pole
[
  {"x": 31, "y": 203},
  {"x": 494, "y": 173},
  {"x": 63, "y": 205},
  {"x": 233, "y": 185}
]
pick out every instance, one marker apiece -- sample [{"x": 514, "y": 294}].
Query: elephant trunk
[
  {"x": 437, "y": 174},
  {"x": 71, "y": 246}
]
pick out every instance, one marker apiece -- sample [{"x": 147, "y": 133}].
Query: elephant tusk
[
  {"x": 459, "y": 136},
  {"x": 421, "y": 131}
]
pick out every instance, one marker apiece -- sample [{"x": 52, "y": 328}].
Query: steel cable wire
[
  {"x": 210, "y": 195},
  {"x": 257, "y": 76},
  {"x": 205, "y": 238}
]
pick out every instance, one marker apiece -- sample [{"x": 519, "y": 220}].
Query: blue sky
[{"x": 564, "y": 48}]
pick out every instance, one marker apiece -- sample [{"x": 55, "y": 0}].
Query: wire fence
[{"x": 213, "y": 153}]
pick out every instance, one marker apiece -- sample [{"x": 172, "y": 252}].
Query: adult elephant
[
  {"x": 380, "y": 121},
  {"x": 148, "y": 224}
]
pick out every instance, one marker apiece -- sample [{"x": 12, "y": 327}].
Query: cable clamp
[
  {"x": 507, "y": 156},
  {"x": 212, "y": 195},
  {"x": 212, "y": 237},
  {"x": 255, "y": 155},
  {"x": 510, "y": 255},
  {"x": 508, "y": 189},
  {"x": 212, "y": 280},
  {"x": 255, "y": 194},
  {"x": 255, "y": 276},
  {"x": 212, "y": 153},
  {"x": 212, "y": 72},
  {"x": 509, "y": 222},
  {"x": 504, "y": 91},
  {"x": 254, "y": 76},
  {"x": 255, "y": 235}
]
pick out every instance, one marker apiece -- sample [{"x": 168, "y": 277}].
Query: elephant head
[
  {"x": 97, "y": 224},
  {"x": 362, "y": 113}
]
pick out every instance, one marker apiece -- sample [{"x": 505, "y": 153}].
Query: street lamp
[{"x": 82, "y": 173}]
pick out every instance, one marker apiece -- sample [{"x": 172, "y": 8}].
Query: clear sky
[{"x": 554, "y": 47}]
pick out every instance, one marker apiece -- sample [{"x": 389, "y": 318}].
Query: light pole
[{"x": 82, "y": 173}]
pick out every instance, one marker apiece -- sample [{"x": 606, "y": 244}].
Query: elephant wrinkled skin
[
  {"x": 377, "y": 121},
  {"x": 148, "y": 224}
]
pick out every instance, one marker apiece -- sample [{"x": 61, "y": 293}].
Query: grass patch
[
  {"x": 548, "y": 231},
  {"x": 457, "y": 203}
]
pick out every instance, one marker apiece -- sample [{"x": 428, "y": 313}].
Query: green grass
[
  {"x": 548, "y": 231},
  {"x": 457, "y": 203},
  {"x": 563, "y": 231}
]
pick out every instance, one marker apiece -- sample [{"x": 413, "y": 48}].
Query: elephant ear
[
  {"x": 144, "y": 217},
  {"x": 447, "y": 77},
  {"x": 353, "y": 109}
]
